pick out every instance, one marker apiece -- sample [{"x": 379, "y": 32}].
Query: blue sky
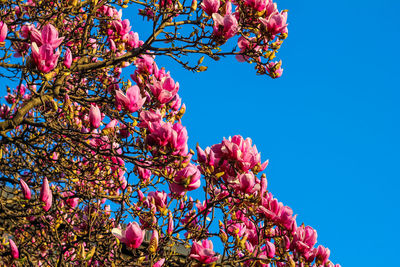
[{"x": 329, "y": 125}]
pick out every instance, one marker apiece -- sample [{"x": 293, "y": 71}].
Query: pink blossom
[
  {"x": 3, "y": 31},
  {"x": 150, "y": 119},
  {"x": 153, "y": 241},
  {"x": 203, "y": 252},
  {"x": 270, "y": 249},
  {"x": 201, "y": 155},
  {"x": 179, "y": 141},
  {"x": 270, "y": 207},
  {"x": 170, "y": 227},
  {"x": 176, "y": 103},
  {"x": 50, "y": 36},
  {"x": 246, "y": 183},
  {"x": 132, "y": 40},
  {"x": 275, "y": 23},
  {"x": 210, "y": 6},
  {"x": 166, "y": 137},
  {"x": 68, "y": 58},
  {"x": 132, "y": 236},
  {"x": 44, "y": 57},
  {"x": 246, "y": 44},
  {"x": 225, "y": 27},
  {"x": 14, "y": 249},
  {"x": 94, "y": 116},
  {"x": 111, "y": 125},
  {"x": 144, "y": 64},
  {"x": 135, "y": 99},
  {"x": 187, "y": 179},
  {"x": 304, "y": 239},
  {"x": 237, "y": 151},
  {"x": 159, "y": 199},
  {"x": 122, "y": 27},
  {"x": 28, "y": 29},
  {"x": 161, "y": 135},
  {"x": 25, "y": 189},
  {"x": 159, "y": 263},
  {"x": 73, "y": 202},
  {"x": 46, "y": 195},
  {"x": 165, "y": 89},
  {"x": 322, "y": 255},
  {"x": 144, "y": 175},
  {"x": 261, "y": 5}
]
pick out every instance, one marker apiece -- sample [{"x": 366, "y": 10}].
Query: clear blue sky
[{"x": 330, "y": 125}]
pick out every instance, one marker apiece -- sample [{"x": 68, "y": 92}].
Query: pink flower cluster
[
  {"x": 43, "y": 44},
  {"x": 132, "y": 236},
  {"x": 203, "y": 252},
  {"x": 232, "y": 157},
  {"x": 186, "y": 179},
  {"x": 164, "y": 136}
]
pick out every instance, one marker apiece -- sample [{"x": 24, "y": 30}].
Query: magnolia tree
[{"x": 95, "y": 167}]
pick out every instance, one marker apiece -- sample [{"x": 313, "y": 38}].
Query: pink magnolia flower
[
  {"x": 237, "y": 151},
  {"x": 3, "y": 31},
  {"x": 14, "y": 249},
  {"x": 261, "y": 5},
  {"x": 187, "y": 179},
  {"x": 132, "y": 40},
  {"x": 203, "y": 252},
  {"x": 287, "y": 219},
  {"x": 46, "y": 195},
  {"x": 28, "y": 30},
  {"x": 246, "y": 44},
  {"x": 150, "y": 118},
  {"x": 165, "y": 89},
  {"x": 159, "y": 263},
  {"x": 275, "y": 23},
  {"x": 201, "y": 155},
  {"x": 153, "y": 241},
  {"x": 225, "y": 27},
  {"x": 44, "y": 57},
  {"x": 144, "y": 64},
  {"x": 94, "y": 116},
  {"x": 179, "y": 140},
  {"x": 161, "y": 135},
  {"x": 246, "y": 183},
  {"x": 270, "y": 249},
  {"x": 166, "y": 137},
  {"x": 270, "y": 207},
  {"x": 159, "y": 199},
  {"x": 25, "y": 189},
  {"x": 304, "y": 239},
  {"x": 132, "y": 236},
  {"x": 68, "y": 58},
  {"x": 144, "y": 175},
  {"x": 170, "y": 227},
  {"x": 73, "y": 202},
  {"x": 112, "y": 124},
  {"x": 122, "y": 27},
  {"x": 48, "y": 35},
  {"x": 132, "y": 101},
  {"x": 322, "y": 255},
  {"x": 210, "y": 6}
]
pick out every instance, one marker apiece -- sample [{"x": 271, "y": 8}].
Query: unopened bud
[{"x": 193, "y": 7}]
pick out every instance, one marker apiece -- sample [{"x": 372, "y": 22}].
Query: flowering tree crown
[{"x": 96, "y": 169}]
